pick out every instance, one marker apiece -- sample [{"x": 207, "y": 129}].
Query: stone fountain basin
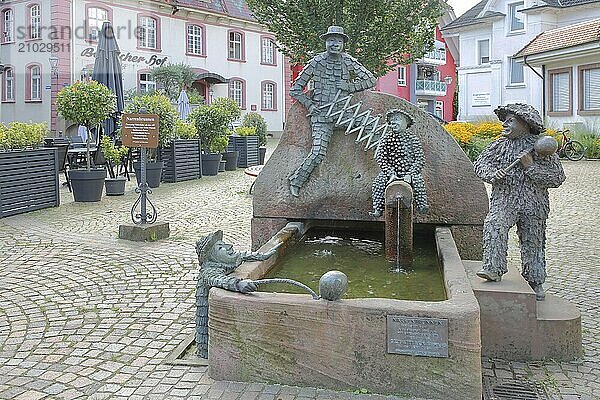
[{"x": 294, "y": 340}]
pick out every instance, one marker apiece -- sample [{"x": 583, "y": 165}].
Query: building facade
[
  {"x": 429, "y": 83},
  {"x": 489, "y": 37},
  {"x": 47, "y": 44}
]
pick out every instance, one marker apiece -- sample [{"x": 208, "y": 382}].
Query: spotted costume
[{"x": 399, "y": 154}]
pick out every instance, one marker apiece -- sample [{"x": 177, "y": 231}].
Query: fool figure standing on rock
[
  {"x": 332, "y": 73},
  {"x": 217, "y": 260},
  {"x": 519, "y": 195},
  {"x": 400, "y": 156}
]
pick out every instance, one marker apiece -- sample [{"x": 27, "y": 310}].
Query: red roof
[{"x": 561, "y": 38}]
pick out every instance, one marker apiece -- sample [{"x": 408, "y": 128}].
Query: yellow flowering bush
[
  {"x": 21, "y": 135},
  {"x": 461, "y": 131},
  {"x": 474, "y": 137}
]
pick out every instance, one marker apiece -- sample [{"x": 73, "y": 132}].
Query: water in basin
[{"x": 361, "y": 256}]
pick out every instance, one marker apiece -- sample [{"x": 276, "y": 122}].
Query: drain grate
[{"x": 512, "y": 389}]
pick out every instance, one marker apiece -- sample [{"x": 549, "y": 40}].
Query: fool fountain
[{"x": 357, "y": 163}]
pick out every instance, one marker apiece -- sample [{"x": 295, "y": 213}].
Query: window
[
  {"x": 589, "y": 89},
  {"x": 8, "y": 86},
  {"x": 195, "y": 40},
  {"x": 401, "y": 76},
  {"x": 95, "y": 18},
  {"x": 439, "y": 109},
  {"x": 516, "y": 72},
  {"x": 236, "y": 92},
  {"x": 34, "y": 83},
  {"x": 483, "y": 49},
  {"x": 147, "y": 33},
  {"x": 269, "y": 93},
  {"x": 236, "y": 46},
  {"x": 146, "y": 83},
  {"x": 8, "y": 26},
  {"x": 516, "y": 17},
  {"x": 267, "y": 51},
  {"x": 560, "y": 82},
  {"x": 35, "y": 22}
]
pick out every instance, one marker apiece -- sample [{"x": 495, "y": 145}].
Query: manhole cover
[{"x": 512, "y": 389}]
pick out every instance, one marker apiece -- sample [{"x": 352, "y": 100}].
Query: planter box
[
  {"x": 182, "y": 161},
  {"x": 247, "y": 146},
  {"x": 28, "y": 180}
]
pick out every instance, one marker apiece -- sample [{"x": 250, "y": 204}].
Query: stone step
[{"x": 515, "y": 326}]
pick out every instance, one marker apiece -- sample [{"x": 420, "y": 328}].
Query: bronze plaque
[
  {"x": 417, "y": 336},
  {"x": 140, "y": 130}
]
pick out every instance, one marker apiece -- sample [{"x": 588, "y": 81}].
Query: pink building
[{"x": 429, "y": 83}]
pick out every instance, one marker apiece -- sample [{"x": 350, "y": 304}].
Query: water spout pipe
[{"x": 399, "y": 224}]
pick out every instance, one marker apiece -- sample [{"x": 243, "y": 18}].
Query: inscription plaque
[
  {"x": 140, "y": 130},
  {"x": 417, "y": 336}
]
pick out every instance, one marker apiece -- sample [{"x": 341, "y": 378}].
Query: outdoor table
[
  {"x": 77, "y": 155},
  {"x": 253, "y": 171}
]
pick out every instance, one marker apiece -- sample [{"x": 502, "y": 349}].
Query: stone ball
[
  {"x": 333, "y": 285},
  {"x": 545, "y": 146}
]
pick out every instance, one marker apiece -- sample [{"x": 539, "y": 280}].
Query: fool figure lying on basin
[
  {"x": 519, "y": 195},
  {"x": 218, "y": 259}
]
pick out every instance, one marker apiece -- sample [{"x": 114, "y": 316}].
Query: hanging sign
[{"x": 140, "y": 130}]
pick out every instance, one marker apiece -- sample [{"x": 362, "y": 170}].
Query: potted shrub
[
  {"x": 114, "y": 185},
  {"x": 257, "y": 121},
  {"x": 160, "y": 105},
  {"x": 211, "y": 124},
  {"x": 246, "y": 142},
  {"x": 88, "y": 104},
  {"x": 28, "y": 172},
  {"x": 182, "y": 158}
]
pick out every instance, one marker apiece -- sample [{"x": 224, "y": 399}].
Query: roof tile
[{"x": 560, "y": 38}]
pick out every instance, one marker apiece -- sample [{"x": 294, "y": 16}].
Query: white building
[
  {"x": 234, "y": 55},
  {"x": 491, "y": 34}
]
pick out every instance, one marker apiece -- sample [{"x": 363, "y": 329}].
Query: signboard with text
[
  {"x": 140, "y": 130},
  {"x": 481, "y": 99},
  {"x": 417, "y": 336}
]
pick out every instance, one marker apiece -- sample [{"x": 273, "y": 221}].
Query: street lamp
[
  {"x": 448, "y": 80},
  {"x": 53, "y": 60}
]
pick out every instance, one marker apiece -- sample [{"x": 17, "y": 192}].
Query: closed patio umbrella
[
  {"x": 108, "y": 71},
  {"x": 183, "y": 105}
]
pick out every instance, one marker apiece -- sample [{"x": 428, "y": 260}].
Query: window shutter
[
  {"x": 561, "y": 92},
  {"x": 591, "y": 89}
]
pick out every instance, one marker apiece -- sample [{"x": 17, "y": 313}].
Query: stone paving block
[{"x": 31, "y": 395}]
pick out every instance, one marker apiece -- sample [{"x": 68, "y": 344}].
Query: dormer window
[{"x": 517, "y": 19}]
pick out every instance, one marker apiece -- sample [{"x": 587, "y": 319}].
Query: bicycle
[{"x": 569, "y": 148}]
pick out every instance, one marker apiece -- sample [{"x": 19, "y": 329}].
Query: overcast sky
[{"x": 460, "y": 6}]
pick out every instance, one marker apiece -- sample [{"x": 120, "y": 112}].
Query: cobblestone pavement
[{"x": 86, "y": 315}]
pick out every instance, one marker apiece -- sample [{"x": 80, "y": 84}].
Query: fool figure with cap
[
  {"x": 217, "y": 260},
  {"x": 519, "y": 195},
  {"x": 332, "y": 73}
]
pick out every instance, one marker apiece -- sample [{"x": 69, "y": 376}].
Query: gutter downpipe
[{"x": 542, "y": 77}]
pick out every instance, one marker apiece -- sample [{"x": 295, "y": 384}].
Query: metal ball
[
  {"x": 333, "y": 285},
  {"x": 545, "y": 146}
]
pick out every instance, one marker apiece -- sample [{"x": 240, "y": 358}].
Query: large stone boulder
[{"x": 340, "y": 187}]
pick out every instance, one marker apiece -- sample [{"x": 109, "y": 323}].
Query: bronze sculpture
[
  {"x": 217, "y": 260},
  {"x": 400, "y": 156},
  {"x": 519, "y": 195},
  {"x": 334, "y": 74}
]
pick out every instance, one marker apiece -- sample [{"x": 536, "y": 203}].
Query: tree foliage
[
  {"x": 173, "y": 77},
  {"x": 383, "y": 33}
]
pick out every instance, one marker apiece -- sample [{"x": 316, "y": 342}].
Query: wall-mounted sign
[
  {"x": 140, "y": 130},
  {"x": 153, "y": 61},
  {"x": 417, "y": 336},
  {"x": 481, "y": 99}
]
